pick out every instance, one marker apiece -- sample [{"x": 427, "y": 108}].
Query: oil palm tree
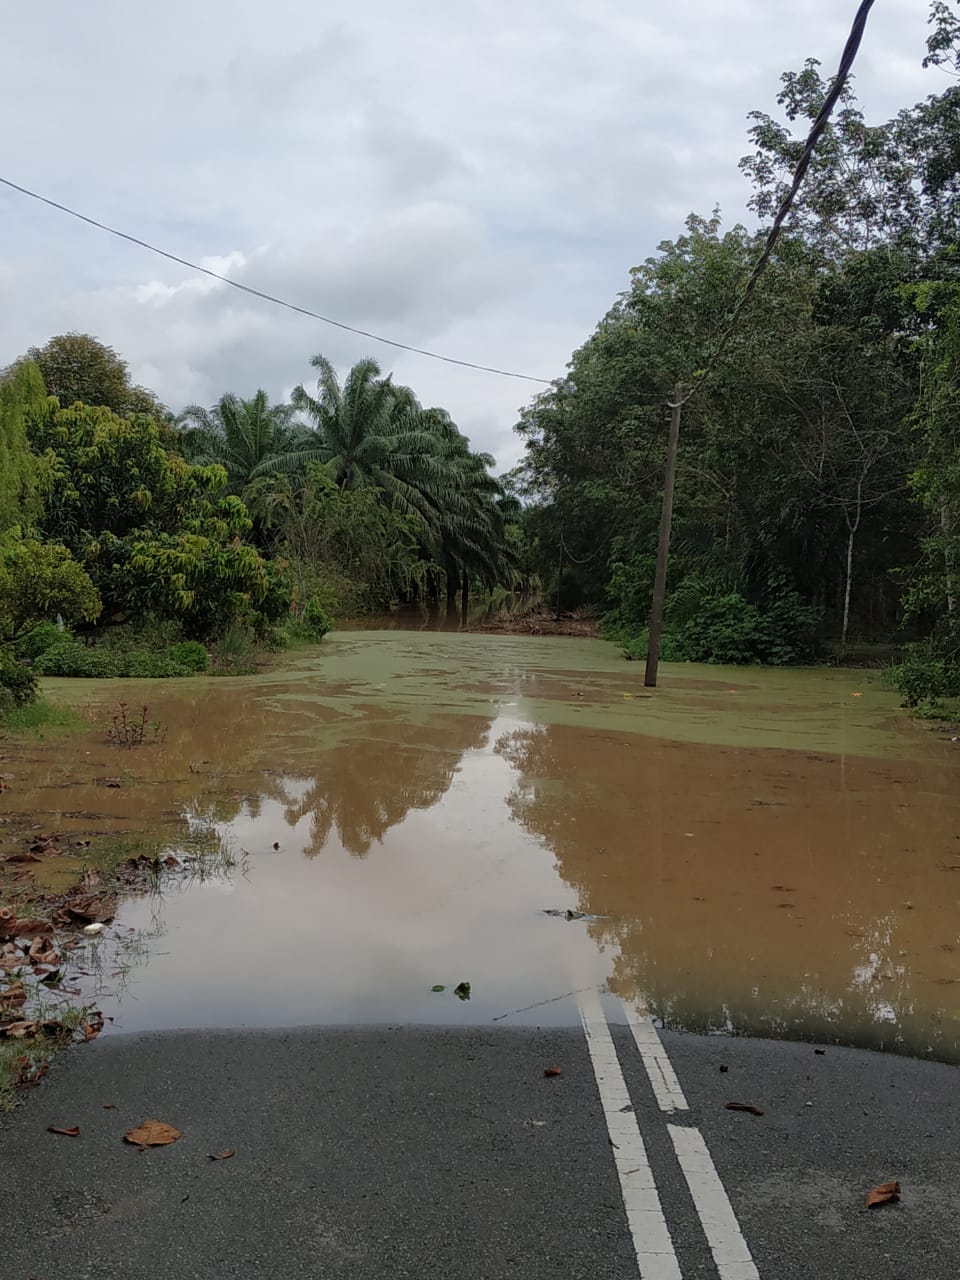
[
  {"x": 242, "y": 435},
  {"x": 371, "y": 432}
]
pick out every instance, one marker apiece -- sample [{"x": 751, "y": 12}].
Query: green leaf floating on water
[
  {"x": 462, "y": 990},
  {"x": 438, "y": 987}
]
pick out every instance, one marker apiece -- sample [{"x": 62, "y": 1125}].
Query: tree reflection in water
[{"x": 758, "y": 892}]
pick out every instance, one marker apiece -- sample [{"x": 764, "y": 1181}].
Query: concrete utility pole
[{"x": 663, "y": 546}]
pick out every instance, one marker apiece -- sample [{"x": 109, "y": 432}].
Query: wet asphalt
[{"x": 409, "y": 1152}]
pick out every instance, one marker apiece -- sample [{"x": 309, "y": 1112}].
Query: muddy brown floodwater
[{"x": 757, "y": 852}]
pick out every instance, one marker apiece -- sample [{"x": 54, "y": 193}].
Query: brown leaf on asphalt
[
  {"x": 152, "y": 1133},
  {"x": 884, "y": 1194},
  {"x": 73, "y": 1132},
  {"x": 171, "y": 862},
  {"x": 11, "y": 957},
  {"x": 224, "y": 1155},
  {"x": 552, "y": 1071},
  {"x": 745, "y": 1106}
]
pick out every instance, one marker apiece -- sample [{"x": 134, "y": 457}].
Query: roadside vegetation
[
  {"x": 141, "y": 544},
  {"x": 817, "y": 510},
  {"x": 818, "y": 488}
]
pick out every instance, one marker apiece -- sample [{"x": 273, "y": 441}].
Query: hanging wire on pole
[{"x": 680, "y": 398}]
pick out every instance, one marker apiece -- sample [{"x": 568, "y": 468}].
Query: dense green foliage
[
  {"x": 135, "y": 545},
  {"x": 76, "y": 368},
  {"x": 818, "y": 482}
]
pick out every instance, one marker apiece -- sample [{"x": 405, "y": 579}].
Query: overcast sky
[{"x": 475, "y": 177}]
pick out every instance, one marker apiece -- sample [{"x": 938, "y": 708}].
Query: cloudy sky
[{"x": 476, "y": 178}]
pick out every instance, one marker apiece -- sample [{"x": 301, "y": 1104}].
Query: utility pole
[{"x": 663, "y": 546}]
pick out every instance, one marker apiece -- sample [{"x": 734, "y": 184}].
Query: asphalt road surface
[{"x": 407, "y": 1152}]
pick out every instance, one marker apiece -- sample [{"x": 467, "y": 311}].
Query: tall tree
[
  {"x": 242, "y": 435},
  {"x": 21, "y": 392},
  {"x": 77, "y": 366}
]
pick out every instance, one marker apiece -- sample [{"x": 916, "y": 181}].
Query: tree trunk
[
  {"x": 453, "y": 584},
  {"x": 852, "y": 533},
  {"x": 466, "y": 590},
  {"x": 663, "y": 545},
  {"x": 946, "y": 525}
]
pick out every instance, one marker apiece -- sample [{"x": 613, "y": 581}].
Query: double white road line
[{"x": 656, "y": 1255}]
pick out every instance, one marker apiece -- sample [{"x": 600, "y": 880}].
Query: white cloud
[{"x": 475, "y": 179}]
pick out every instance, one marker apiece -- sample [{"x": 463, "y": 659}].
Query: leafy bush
[
  {"x": 190, "y": 654},
  {"x": 70, "y": 657},
  {"x": 706, "y": 625},
  {"x": 314, "y": 619},
  {"x": 118, "y": 655},
  {"x": 923, "y": 680},
  {"x": 144, "y": 665},
  {"x": 235, "y": 653},
  {"x": 726, "y": 629},
  {"x": 635, "y": 647},
  {"x": 38, "y": 640},
  {"x": 788, "y": 624},
  {"x": 17, "y": 683}
]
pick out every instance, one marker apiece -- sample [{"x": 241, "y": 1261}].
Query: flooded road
[{"x": 759, "y": 852}]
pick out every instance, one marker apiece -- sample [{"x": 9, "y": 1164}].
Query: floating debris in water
[{"x": 571, "y": 915}]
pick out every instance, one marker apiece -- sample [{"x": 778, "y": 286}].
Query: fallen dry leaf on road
[
  {"x": 224, "y": 1155},
  {"x": 11, "y": 957},
  {"x": 74, "y": 1132},
  {"x": 152, "y": 1133},
  {"x": 745, "y": 1106},
  {"x": 552, "y": 1071},
  {"x": 884, "y": 1194}
]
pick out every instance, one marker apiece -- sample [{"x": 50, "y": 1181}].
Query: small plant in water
[{"x": 133, "y": 729}]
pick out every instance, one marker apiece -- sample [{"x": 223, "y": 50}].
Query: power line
[
  {"x": 678, "y": 399},
  {"x": 813, "y": 137},
  {"x": 266, "y": 297}
]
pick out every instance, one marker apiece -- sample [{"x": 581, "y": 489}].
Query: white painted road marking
[
  {"x": 656, "y": 1256},
  {"x": 666, "y": 1086},
  {"x": 730, "y": 1251}
]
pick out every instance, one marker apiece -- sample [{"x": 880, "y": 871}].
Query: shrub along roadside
[
  {"x": 703, "y": 625},
  {"x": 926, "y": 680}
]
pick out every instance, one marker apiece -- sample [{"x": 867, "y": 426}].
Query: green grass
[
  {"x": 38, "y": 718},
  {"x": 37, "y": 1052}
]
